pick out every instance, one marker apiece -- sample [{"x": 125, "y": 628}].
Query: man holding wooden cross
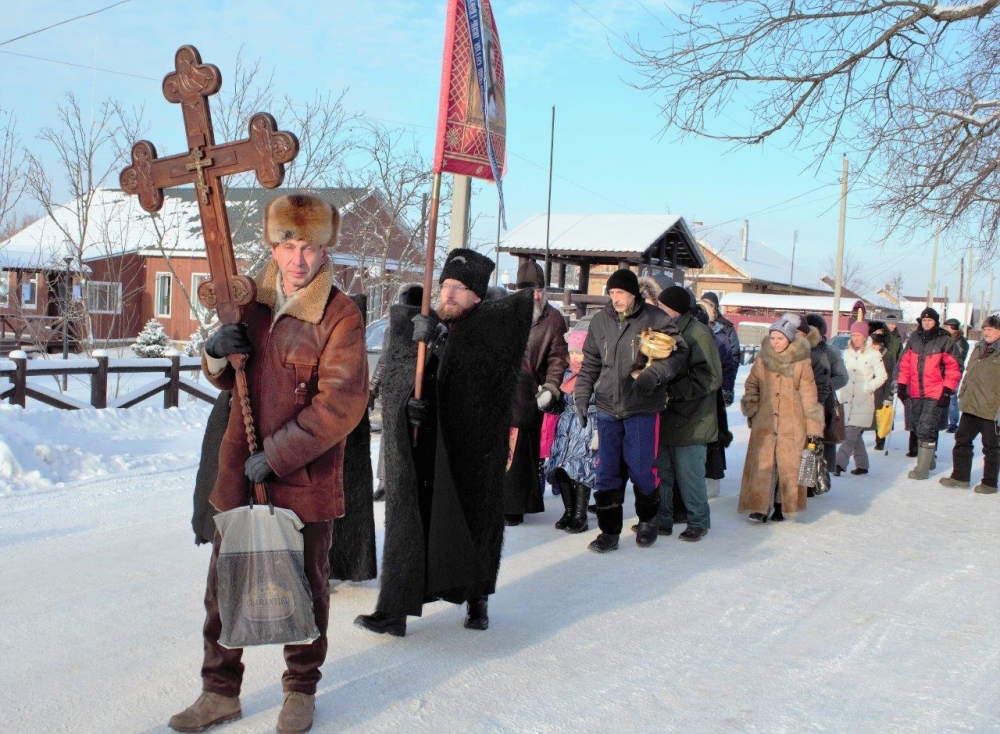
[{"x": 309, "y": 388}]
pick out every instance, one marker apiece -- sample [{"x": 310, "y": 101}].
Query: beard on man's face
[{"x": 450, "y": 311}]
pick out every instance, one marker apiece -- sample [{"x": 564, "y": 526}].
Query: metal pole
[
  {"x": 67, "y": 303},
  {"x": 930, "y": 286},
  {"x": 989, "y": 303},
  {"x": 548, "y": 210},
  {"x": 839, "y": 274}
]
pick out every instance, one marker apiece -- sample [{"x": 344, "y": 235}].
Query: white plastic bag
[{"x": 264, "y": 596}]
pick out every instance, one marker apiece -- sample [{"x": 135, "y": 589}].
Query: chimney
[{"x": 746, "y": 237}]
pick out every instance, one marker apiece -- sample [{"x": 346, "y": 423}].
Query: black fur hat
[
  {"x": 930, "y": 313},
  {"x": 469, "y": 268},
  {"x": 410, "y": 294},
  {"x": 814, "y": 319}
]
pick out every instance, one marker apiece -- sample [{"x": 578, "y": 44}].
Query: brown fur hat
[{"x": 301, "y": 217}]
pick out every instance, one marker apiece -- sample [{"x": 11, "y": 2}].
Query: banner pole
[{"x": 425, "y": 303}]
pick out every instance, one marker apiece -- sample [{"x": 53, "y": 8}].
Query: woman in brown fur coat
[{"x": 779, "y": 401}]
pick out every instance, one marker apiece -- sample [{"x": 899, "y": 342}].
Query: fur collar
[
  {"x": 307, "y": 304},
  {"x": 814, "y": 338},
  {"x": 782, "y": 363}
]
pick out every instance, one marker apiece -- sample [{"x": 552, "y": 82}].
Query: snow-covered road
[{"x": 876, "y": 610}]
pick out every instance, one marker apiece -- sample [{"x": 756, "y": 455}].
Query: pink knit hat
[
  {"x": 575, "y": 340},
  {"x": 859, "y": 327}
]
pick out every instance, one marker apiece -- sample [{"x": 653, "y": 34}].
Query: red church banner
[{"x": 472, "y": 117}]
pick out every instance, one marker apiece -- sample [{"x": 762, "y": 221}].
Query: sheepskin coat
[
  {"x": 779, "y": 401},
  {"x": 866, "y": 374}
]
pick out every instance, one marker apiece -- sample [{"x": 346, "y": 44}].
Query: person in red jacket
[{"x": 928, "y": 376}]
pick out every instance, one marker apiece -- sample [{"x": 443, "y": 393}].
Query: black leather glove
[
  {"x": 417, "y": 412},
  {"x": 945, "y": 400},
  {"x": 646, "y": 383},
  {"x": 902, "y": 392},
  {"x": 229, "y": 339},
  {"x": 257, "y": 469},
  {"x": 728, "y": 397},
  {"x": 425, "y": 328},
  {"x": 581, "y": 414}
]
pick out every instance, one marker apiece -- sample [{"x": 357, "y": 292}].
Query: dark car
[{"x": 841, "y": 341}]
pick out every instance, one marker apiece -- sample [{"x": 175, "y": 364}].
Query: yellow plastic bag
[{"x": 883, "y": 420}]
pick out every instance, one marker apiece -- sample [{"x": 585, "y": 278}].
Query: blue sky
[{"x": 611, "y": 155}]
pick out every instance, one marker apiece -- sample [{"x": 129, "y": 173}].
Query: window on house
[
  {"x": 29, "y": 291},
  {"x": 198, "y": 312},
  {"x": 104, "y": 297},
  {"x": 161, "y": 302},
  {"x": 4, "y": 288}
]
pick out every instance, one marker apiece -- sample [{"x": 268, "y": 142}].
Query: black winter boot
[
  {"x": 604, "y": 543},
  {"x": 382, "y": 623},
  {"x": 566, "y": 490},
  {"x": 477, "y": 618},
  {"x": 913, "y": 445},
  {"x": 580, "y": 495},
  {"x": 609, "y": 510}
]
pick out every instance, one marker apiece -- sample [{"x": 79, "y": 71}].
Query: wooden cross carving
[
  {"x": 265, "y": 152},
  {"x": 205, "y": 164}
]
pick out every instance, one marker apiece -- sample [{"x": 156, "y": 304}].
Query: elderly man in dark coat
[
  {"x": 308, "y": 378},
  {"x": 542, "y": 370},
  {"x": 444, "y": 496}
]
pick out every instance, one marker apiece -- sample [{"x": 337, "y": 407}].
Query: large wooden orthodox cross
[
  {"x": 205, "y": 164},
  {"x": 265, "y": 152}
]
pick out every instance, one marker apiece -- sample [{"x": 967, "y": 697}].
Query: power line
[
  {"x": 81, "y": 66},
  {"x": 63, "y": 22}
]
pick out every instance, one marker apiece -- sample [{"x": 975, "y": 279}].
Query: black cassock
[{"x": 444, "y": 498}]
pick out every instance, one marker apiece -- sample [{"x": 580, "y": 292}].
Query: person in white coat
[{"x": 866, "y": 374}]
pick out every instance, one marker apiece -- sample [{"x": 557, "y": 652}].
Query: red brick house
[{"x": 132, "y": 267}]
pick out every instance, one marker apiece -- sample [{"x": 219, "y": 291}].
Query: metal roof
[
  {"x": 606, "y": 237},
  {"x": 788, "y": 303}
]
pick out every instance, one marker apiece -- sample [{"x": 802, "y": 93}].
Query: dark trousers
[
  {"x": 222, "y": 671},
  {"x": 969, "y": 426},
  {"x": 924, "y": 415},
  {"x": 630, "y": 440},
  {"x": 686, "y": 465}
]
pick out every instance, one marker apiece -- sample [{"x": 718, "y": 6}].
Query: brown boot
[
  {"x": 296, "y": 713},
  {"x": 209, "y": 710}
]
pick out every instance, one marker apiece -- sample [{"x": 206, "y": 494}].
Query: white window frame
[
  {"x": 4, "y": 289},
  {"x": 30, "y": 305},
  {"x": 197, "y": 310},
  {"x": 158, "y": 294},
  {"x": 93, "y": 302}
]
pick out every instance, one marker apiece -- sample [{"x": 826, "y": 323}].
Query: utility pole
[
  {"x": 989, "y": 303},
  {"x": 791, "y": 273},
  {"x": 961, "y": 279},
  {"x": 461, "y": 212},
  {"x": 839, "y": 274},
  {"x": 548, "y": 209},
  {"x": 968, "y": 279},
  {"x": 930, "y": 286}
]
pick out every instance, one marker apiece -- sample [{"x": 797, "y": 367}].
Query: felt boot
[{"x": 925, "y": 457}]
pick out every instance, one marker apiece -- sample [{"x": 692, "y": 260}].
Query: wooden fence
[{"x": 18, "y": 368}]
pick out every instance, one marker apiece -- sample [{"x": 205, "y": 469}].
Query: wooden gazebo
[{"x": 660, "y": 245}]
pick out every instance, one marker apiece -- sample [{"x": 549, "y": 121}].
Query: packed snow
[{"x": 876, "y": 610}]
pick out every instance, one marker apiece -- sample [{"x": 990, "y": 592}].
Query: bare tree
[
  {"x": 908, "y": 86},
  {"x": 88, "y": 149},
  {"x": 13, "y": 163},
  {"x": 853, "y": 272},
  {"x": 389, "y": 221}
]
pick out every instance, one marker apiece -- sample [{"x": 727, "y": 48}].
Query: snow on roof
[
  {"x": 116, "y": 224},
  {"x": 625, "y": 234},
  {"x": 766, "y": 264},
  {"x": 785, "y": 302}
]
